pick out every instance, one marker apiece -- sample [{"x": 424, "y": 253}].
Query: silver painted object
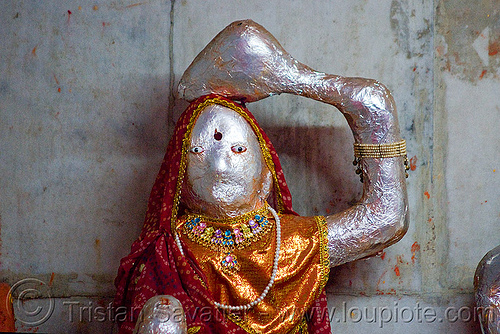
[
  {"x": 487, "y": 291},
  {"x": 161, "y": 315},
  {"x": 226, "y": 172},
  {"x": 245, "y": 62}
]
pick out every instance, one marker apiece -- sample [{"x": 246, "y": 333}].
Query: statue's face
[{"x": 226, "y": 172}]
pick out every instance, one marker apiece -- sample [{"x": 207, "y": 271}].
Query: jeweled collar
[
  {"x": 227, "y": 235},
  {"x": 230, "y": 220}
]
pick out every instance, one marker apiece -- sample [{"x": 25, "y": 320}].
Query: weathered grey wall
[{"x": 86, "y": 111}]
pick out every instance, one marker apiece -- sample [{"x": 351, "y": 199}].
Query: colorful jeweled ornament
[
  {"x": 229, "y": 263},
  {"x": 227, "y": 235}
]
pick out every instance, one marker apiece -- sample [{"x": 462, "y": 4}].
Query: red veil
[{"x": 155, "y": 265}]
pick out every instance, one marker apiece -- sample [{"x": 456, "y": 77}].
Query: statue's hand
[{"x": 243, "y": 62}]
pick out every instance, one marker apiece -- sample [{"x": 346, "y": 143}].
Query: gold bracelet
[{"x": 379, "y": 151}]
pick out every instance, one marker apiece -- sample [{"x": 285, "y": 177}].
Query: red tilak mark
[
  {"x": 427, "y": 195},
  {"x": 396, "y": 270},
  {"x": 482, "y": 74}
]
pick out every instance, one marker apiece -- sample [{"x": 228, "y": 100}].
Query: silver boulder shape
[
  {"x": 487, "y": 291},
  {"x": 161, "y": 315}
]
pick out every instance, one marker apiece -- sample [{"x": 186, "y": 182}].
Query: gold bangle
[{"x": 380, "y": 150}]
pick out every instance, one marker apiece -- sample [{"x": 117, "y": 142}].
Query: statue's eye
[
  {"x": 238, "y": 148},
  {"x": 197, "y": 149}
]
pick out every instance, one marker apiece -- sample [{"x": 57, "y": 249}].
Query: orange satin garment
[{"x": 303, "y": 269}]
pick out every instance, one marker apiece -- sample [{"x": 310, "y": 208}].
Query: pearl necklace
[{"x": 273, "y": 275}]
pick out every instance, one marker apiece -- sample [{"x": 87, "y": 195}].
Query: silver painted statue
[{"x": 245, "y": 62}]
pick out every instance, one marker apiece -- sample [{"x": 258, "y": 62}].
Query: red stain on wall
[
  {"x": 97, "y": 247},
  {"x": 413, "y": 163},
  {"x": 399, "y": 261},
  {"x": 51, "y": 279},
  {"x": 427, "y": 195},
  {"x": 380, "y": 278},
  {"x": 494, "y": 48},
  {"x": 135, "y": 4},
  {"x": 7, "y": 321},
  {"x": 1, "y": 242},
  {"x": 414, "y": 248},
  {"x": 391, "y": 292},
  {"x": 482, "y": 74}
]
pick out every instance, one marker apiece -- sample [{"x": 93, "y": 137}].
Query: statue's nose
[{"x": 219, "y": 163}]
